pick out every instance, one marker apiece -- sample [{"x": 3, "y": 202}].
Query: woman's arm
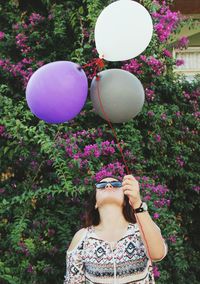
[
  {"x": 152, "y": 234},
  {"x": 74, "y": 262}
]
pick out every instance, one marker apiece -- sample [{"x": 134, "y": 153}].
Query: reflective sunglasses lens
[
  {"x": 116, "y": 183},
  {"x": 101, "y": 185}
]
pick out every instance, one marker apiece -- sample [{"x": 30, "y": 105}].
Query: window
[{"x": 191, "y": 57}]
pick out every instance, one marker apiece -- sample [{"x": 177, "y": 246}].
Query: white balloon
[
  {"x": 123, "y": 30},
  {"x": 117, "y": 96}
]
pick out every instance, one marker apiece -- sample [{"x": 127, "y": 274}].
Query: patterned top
[{"x": 95, "y": 261}]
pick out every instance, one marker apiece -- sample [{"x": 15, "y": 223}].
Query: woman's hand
[{"x": 131, "y": 188}]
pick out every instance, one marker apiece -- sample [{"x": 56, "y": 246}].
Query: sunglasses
[{"x": 103, "y": 184}]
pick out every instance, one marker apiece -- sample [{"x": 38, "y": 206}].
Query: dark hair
[{"x": 92, "y": 216}]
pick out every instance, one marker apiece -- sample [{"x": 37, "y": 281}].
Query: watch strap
[{"x": 139, "y": 209}]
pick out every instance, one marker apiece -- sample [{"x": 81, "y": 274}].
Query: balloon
[
  {"x": 57, "y": 91},
  {"x": 121, "y": 94},
  {"x": 123, "y": 30}
]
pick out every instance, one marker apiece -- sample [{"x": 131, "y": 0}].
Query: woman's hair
[{"x": 92, "y": 216}]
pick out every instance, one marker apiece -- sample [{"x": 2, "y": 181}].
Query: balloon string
[
  {"x": 110, "y": 124},
  {"x": 97, "y": 63},
  {"x": 127, "y": 169}
]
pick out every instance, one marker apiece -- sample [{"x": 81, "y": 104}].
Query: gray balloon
[{"x": 121, "y": 94}]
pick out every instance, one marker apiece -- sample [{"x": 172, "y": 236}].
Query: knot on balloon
[
  {"x": 96, "y": 64},
  {"x": 79, "y": 67},
  {"x": 100, "y": 62},
  {"x": 97, "y": 77}
]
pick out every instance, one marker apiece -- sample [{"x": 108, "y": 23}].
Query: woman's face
[{"x": 109, "y": 194}]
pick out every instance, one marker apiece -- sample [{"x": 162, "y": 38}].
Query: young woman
[{"x": 111, "y": 248}]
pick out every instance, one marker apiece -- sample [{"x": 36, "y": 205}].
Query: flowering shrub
[{"x": 48, "y": 171}]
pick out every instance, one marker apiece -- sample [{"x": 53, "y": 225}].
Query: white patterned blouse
[{"x": 95, "y": 261}]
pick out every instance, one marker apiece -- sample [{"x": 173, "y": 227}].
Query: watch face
[{"x": 144, "y": 206}]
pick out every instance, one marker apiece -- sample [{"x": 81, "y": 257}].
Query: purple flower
[
  {"x": 196, "y": 188},
  {"x": 116, "y": 169},
  {"x": 50, "y": 16},
  {"x": 157, "y": 137},
  {"x": 15, "y": 26},
  {"x": 35, "y": 18},
  {"x": 49, "y": 197},
  {"x": 2, "y": 129},
  {"x": 167, "y": 53},
  {"x": 150, "y": 113},
  {"x": 147, "y": 197},
  {"x": 49, "y": 162},
  {"x": 134, "y": 67},
  {"x": 34, "y": 165},
  {"x": 156, "y": 215},
  {"x": 180, "y": 161},
  {"x": 27, "y": 60},
  {"x": 51, "y": 232},
  {"x": 156, "y": 65},
  {"x": 53, "y": 250},
  {"x": 150, "y": 95},
  {"x": 40, "y": 63},
  {"x": 179, "y": 62},
  {"x": 156, "y": 272},
  {"x": 2, "y": 190},
  {"x": 182, "y": 43},
  {"x": 178, "y": 114},
  {"x": 86, "y": 181},
  {"x": 30, "y": 269},
  {"x": 166, "y": 21},
  {"x": 2, "y": 35},
  {"x": 172, "y": 238},
  {"x": 163, "y": 116}
]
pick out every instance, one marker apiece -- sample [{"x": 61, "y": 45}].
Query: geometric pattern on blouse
[{"x": 95, "y": 261}]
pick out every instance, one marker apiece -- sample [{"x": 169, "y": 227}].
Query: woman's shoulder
[{"x": 78, "y": 237}]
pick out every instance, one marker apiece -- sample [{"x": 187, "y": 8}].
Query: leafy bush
[{"x": 47, "y": 171}]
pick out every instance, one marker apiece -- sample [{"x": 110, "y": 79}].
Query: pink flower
[
  {"x": 2, "y": 190},
  {"x": 163, "y": 116},
  {"x": 134, "y": 67},
  {"x": 35, "y": 18},
  {"x": 116, "y": 169},
  {"x": 150, "y": 113},
  {"x": 156, "y": 272},
  {"x": 178, "y": 114},
  {"x": 15, "y": 26},
  {"x": 156, "y": 65},
  {"x": 30, "y": 269},
  {"x": 180, "y": 161},
  {"x": 172, "y": 238},
  {"x": 179, "y": 62},
  {"x": 27, "y": 60},
  {"x": 51, "y": 232},
  {"x": 166, "y": 21},
  {"x": 150, "y": 95},
  {"x": 157, "y": 138},
  {"x": 156, "y": 215},
  {"x": 2, "y": 129},
  {"x": 182, "y": 43},
  {"x": 2, "y": 35},
  {"x": 196, "y": 188},
  {"x": 167, "y": 53},
  {"x": 147, "y": 197}
]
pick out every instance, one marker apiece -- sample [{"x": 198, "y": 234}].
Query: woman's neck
[{"x": 111, "y": 218}]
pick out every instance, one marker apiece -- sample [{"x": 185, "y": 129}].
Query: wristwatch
[{"x": 143, "y": 207}]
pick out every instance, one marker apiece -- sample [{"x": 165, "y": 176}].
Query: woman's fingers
[{"x": 127, "y": 187}]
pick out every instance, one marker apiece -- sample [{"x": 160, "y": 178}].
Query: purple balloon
[{"x": 57, "y": 91}]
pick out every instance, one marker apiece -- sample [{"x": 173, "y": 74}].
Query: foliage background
[{"x": 47, "y": 171}]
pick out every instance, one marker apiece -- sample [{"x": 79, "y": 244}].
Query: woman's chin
[{"x": 110, "y": 200}]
